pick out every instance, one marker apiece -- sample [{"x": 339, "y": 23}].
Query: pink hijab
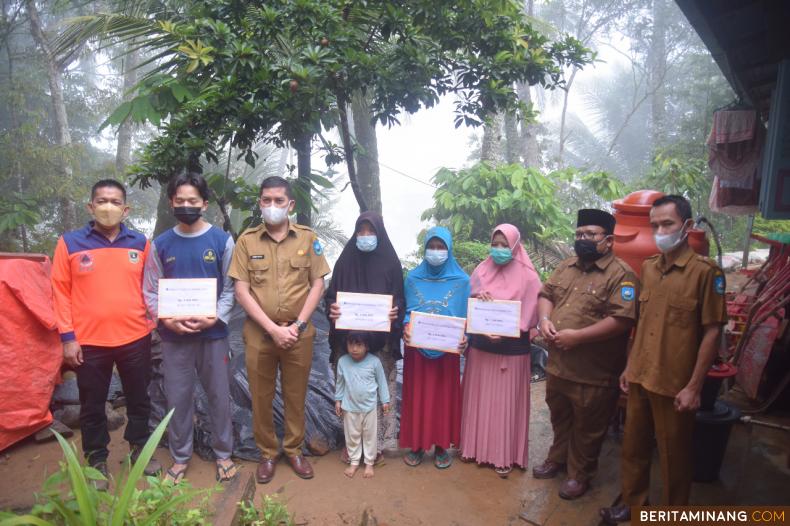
[{"x": 515, "y": 281}]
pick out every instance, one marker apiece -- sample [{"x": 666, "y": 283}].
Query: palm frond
[
  {"x": 329, "y": 232},
  {"x": 109, "y": 29}
]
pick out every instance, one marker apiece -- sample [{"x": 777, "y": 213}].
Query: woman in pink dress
[{"x": 495, "y": 410}]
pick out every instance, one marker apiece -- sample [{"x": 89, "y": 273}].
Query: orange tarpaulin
[{"x": 30, "y": 350}]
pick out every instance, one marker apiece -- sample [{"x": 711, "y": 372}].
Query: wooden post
[{"x": 747, "y": 242}]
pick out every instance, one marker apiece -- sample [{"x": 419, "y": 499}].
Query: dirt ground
[{"x": 462, "y": 495}]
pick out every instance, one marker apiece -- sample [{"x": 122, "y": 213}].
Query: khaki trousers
[
  {"x": 647, "y": 415},
  {"x": 263, "y": 359},
  {"x": 580, "y": 416}
]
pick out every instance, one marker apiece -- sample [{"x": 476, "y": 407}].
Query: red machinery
[{"x": 757, "y": 312}]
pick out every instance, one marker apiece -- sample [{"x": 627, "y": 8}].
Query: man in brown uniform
[
  {"x": 681, "y": 312},
  {"x": 586, "y": 310},
  {"x": 279, "y": 269}
]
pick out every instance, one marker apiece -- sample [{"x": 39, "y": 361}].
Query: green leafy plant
[
  {"x": 474, "y": 200},
  {"x": 271, "y": 513},
  {"x": 686, "y": 176},
  {"x": 469, "y": 254},
  {"x": 19, "y": 211},
  {"x": 70, "y": 498}
]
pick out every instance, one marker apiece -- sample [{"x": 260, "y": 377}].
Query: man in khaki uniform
[
  {"x": 279, "y": 269},
  {"x": 586, "y": 310},
  {"x": 681, "y": 312}
]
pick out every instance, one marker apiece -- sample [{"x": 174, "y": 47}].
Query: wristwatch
[{"x": 301, "y": 325}]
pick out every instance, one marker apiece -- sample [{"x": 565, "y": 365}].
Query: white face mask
[
  {"x": 367, "y": 243},
  {"x": 274, "y": 215},
  {"x": 668, "y": 242},
  {"x": 435, "y": 258}
]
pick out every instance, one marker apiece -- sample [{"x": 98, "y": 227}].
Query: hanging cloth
[{"x": 735, "y": 148}]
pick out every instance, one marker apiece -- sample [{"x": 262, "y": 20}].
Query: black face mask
[
  {"x": 587, "y": 250},
  {"x": 187, "y": 214}
]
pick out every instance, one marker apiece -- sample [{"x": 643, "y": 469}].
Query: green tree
[
  {"x": 683, "y": 176},
  {"x": 233, "y": 74},
  {"x": 38, "y": 200},
  {"x": 474, "y": 200}
]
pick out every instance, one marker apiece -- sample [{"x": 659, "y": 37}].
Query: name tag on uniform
[{"x": 257, "y": 257}]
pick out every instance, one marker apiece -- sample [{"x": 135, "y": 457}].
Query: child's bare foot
[
  {"x": 350, "y": 471},
  {"x": 368, "y": 474}
]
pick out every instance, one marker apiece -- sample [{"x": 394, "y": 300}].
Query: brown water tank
[{"x": 633, "y": 237}]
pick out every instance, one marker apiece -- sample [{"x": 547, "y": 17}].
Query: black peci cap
[{"x": 593, "y": 216}]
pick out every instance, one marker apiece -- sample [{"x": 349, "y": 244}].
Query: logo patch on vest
[
  {"x": 209, "y": 256},
  {"x": 718, "y": 284},
  {"x": 134, "y": 256},
  {"x": 627, "y": 293},
  {"x": 86, "y": 262}
]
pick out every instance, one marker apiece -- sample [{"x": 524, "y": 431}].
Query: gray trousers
[{"x": 182, "y": 363}]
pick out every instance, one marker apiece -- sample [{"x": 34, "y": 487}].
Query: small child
[{"x": 360, "y": 384}]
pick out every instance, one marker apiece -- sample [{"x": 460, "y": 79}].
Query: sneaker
[
  {"x": 101, "y": 485},
  {"x": 153, "y": 468}
]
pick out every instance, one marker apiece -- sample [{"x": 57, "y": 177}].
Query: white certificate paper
[
  {"x": 188, "y": 297},
  {"x": 364, "y": 312},
  {"x": 498, "y": 317},
  {"x": 436, "y": 332}
]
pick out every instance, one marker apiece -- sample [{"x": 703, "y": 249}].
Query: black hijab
[{"x": 376, "y": 272}]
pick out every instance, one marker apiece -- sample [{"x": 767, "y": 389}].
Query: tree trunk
[
  {"x": 367, "y": 157},
  {"x": 491, "y": 149},
  {"x": 123, "y": 153},
  {"x": 657, "y": 65},
  {"x": 17, "y": 166},
  {"x": 62, "y": 134},
  {"x": 529, "y": 129},
  {"x": 20, "y": 189},
  {"x": 563, "y": 116},
  {"x": 513, "y": 145},
  {"x": 164, "y": 217},
  {"x": 303, "y": 171},
  {"x": 348, "y": 150}
]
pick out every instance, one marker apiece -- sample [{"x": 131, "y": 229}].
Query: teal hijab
[{"x": 437, "y": 290}]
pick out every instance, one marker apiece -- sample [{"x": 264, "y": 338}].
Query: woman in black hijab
[{"x": 369, "y": 264}]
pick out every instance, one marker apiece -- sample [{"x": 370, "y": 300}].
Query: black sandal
[
  {"x": 175, "y": 476},
  {"x": 222, "y": 472}
]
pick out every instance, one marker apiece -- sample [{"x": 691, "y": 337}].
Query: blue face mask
[
  {"x": 367, "y": 243},
  {"x": 501, "y": 255},
  {"x": 435, "y": 258}
]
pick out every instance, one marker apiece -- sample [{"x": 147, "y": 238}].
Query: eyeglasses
[{"x": 589, "y": 235}]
